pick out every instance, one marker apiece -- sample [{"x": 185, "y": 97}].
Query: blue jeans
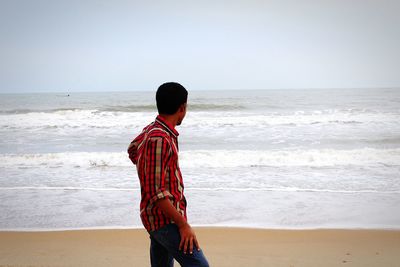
[{"x": 164, "y": 248}]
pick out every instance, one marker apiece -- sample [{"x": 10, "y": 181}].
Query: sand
[{"x": 222, "y": 246}]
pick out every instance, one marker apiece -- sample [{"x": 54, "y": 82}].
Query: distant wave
[
  {"x": 203, "y": 107},
  {"x": 26, "y": 111},
  {"x": 224, "y": 189},
  {"x": 213, "y": 158},
  {"x": 88, "y": 119},
  {"x": 66, "y": 188},
  {"x": 193, "y": 107},
  {"x": 128, "y": 108},
  {"x": 309, "y": 157}
]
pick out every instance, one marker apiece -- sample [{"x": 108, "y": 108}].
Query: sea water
[{"x": 327, "y": 158}]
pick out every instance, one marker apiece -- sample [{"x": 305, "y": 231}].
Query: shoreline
[
  {"x": 223, "y": 246},
  {"x": 205, "y": 226}
]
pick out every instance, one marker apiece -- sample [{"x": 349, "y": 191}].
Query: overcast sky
[{"x": 136, "y": 45}]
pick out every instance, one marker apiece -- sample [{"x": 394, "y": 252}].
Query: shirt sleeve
[{"x": 158, "y": 156}]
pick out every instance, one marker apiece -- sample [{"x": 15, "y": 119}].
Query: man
[{"x": 163, "y": 204}]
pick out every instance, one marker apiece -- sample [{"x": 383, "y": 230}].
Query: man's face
[{"x": 182, "y": 113}]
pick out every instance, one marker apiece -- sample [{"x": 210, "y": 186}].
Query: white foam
[
  {"x": 204, "y": 119},
  {"x": 71, "y": 159},
  {"x": 62, "y": 229},
  {"x": 76, "y": 119},
  {"x": 311, "y": 157},
  {"x": 197, "y": 189},
  {"x": 89, "y": 119},
  {"x": 213, "y": 158},
  {"x": 68, "y": 188}
]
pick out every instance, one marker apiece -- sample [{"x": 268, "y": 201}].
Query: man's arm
[
  {"x": 161, "y": 193},
  {"x": 188, "y": 237}
]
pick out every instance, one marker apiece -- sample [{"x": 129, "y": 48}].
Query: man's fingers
[
  {"x": 186, "y": 245},
  {"x": 191, "y": 245},
  {"x": 188, "y": 240},
  {"x": 181, "y": 243},
  {"x": 196, "y": 244}
]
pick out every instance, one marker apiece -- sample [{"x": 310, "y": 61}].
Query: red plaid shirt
[{"x": 155, "y": 154}]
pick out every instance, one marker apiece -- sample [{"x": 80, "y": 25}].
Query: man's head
[{"x": 171, "y": 99}]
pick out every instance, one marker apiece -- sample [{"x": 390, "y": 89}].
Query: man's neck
[{"x": 171, "y": 119}]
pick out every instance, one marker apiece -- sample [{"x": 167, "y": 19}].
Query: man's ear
[{"x": 182, "y": 108}]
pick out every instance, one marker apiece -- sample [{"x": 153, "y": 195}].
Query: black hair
[{"x": 169, "y": 97}]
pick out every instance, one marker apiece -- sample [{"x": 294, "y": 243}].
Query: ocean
[{"x": 289, "y": 159}]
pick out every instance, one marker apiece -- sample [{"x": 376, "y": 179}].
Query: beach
[
  {"x": 223, "y": 247},
  {"x": 284, "y": 150}
]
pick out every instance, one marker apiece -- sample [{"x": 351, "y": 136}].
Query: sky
[{"x": 68, "y": 46}]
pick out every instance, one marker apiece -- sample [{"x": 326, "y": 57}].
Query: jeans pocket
[{"x": 160, "y": 233}]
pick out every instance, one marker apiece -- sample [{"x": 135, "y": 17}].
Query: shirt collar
[{"x": 167, "y": 126}]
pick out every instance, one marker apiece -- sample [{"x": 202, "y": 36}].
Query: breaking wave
[
  {"x": 93, "y": 118},
  {"x": 213, "y": 158}
]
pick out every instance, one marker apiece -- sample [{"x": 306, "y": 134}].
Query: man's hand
[{"x": 188, "y": 239}]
